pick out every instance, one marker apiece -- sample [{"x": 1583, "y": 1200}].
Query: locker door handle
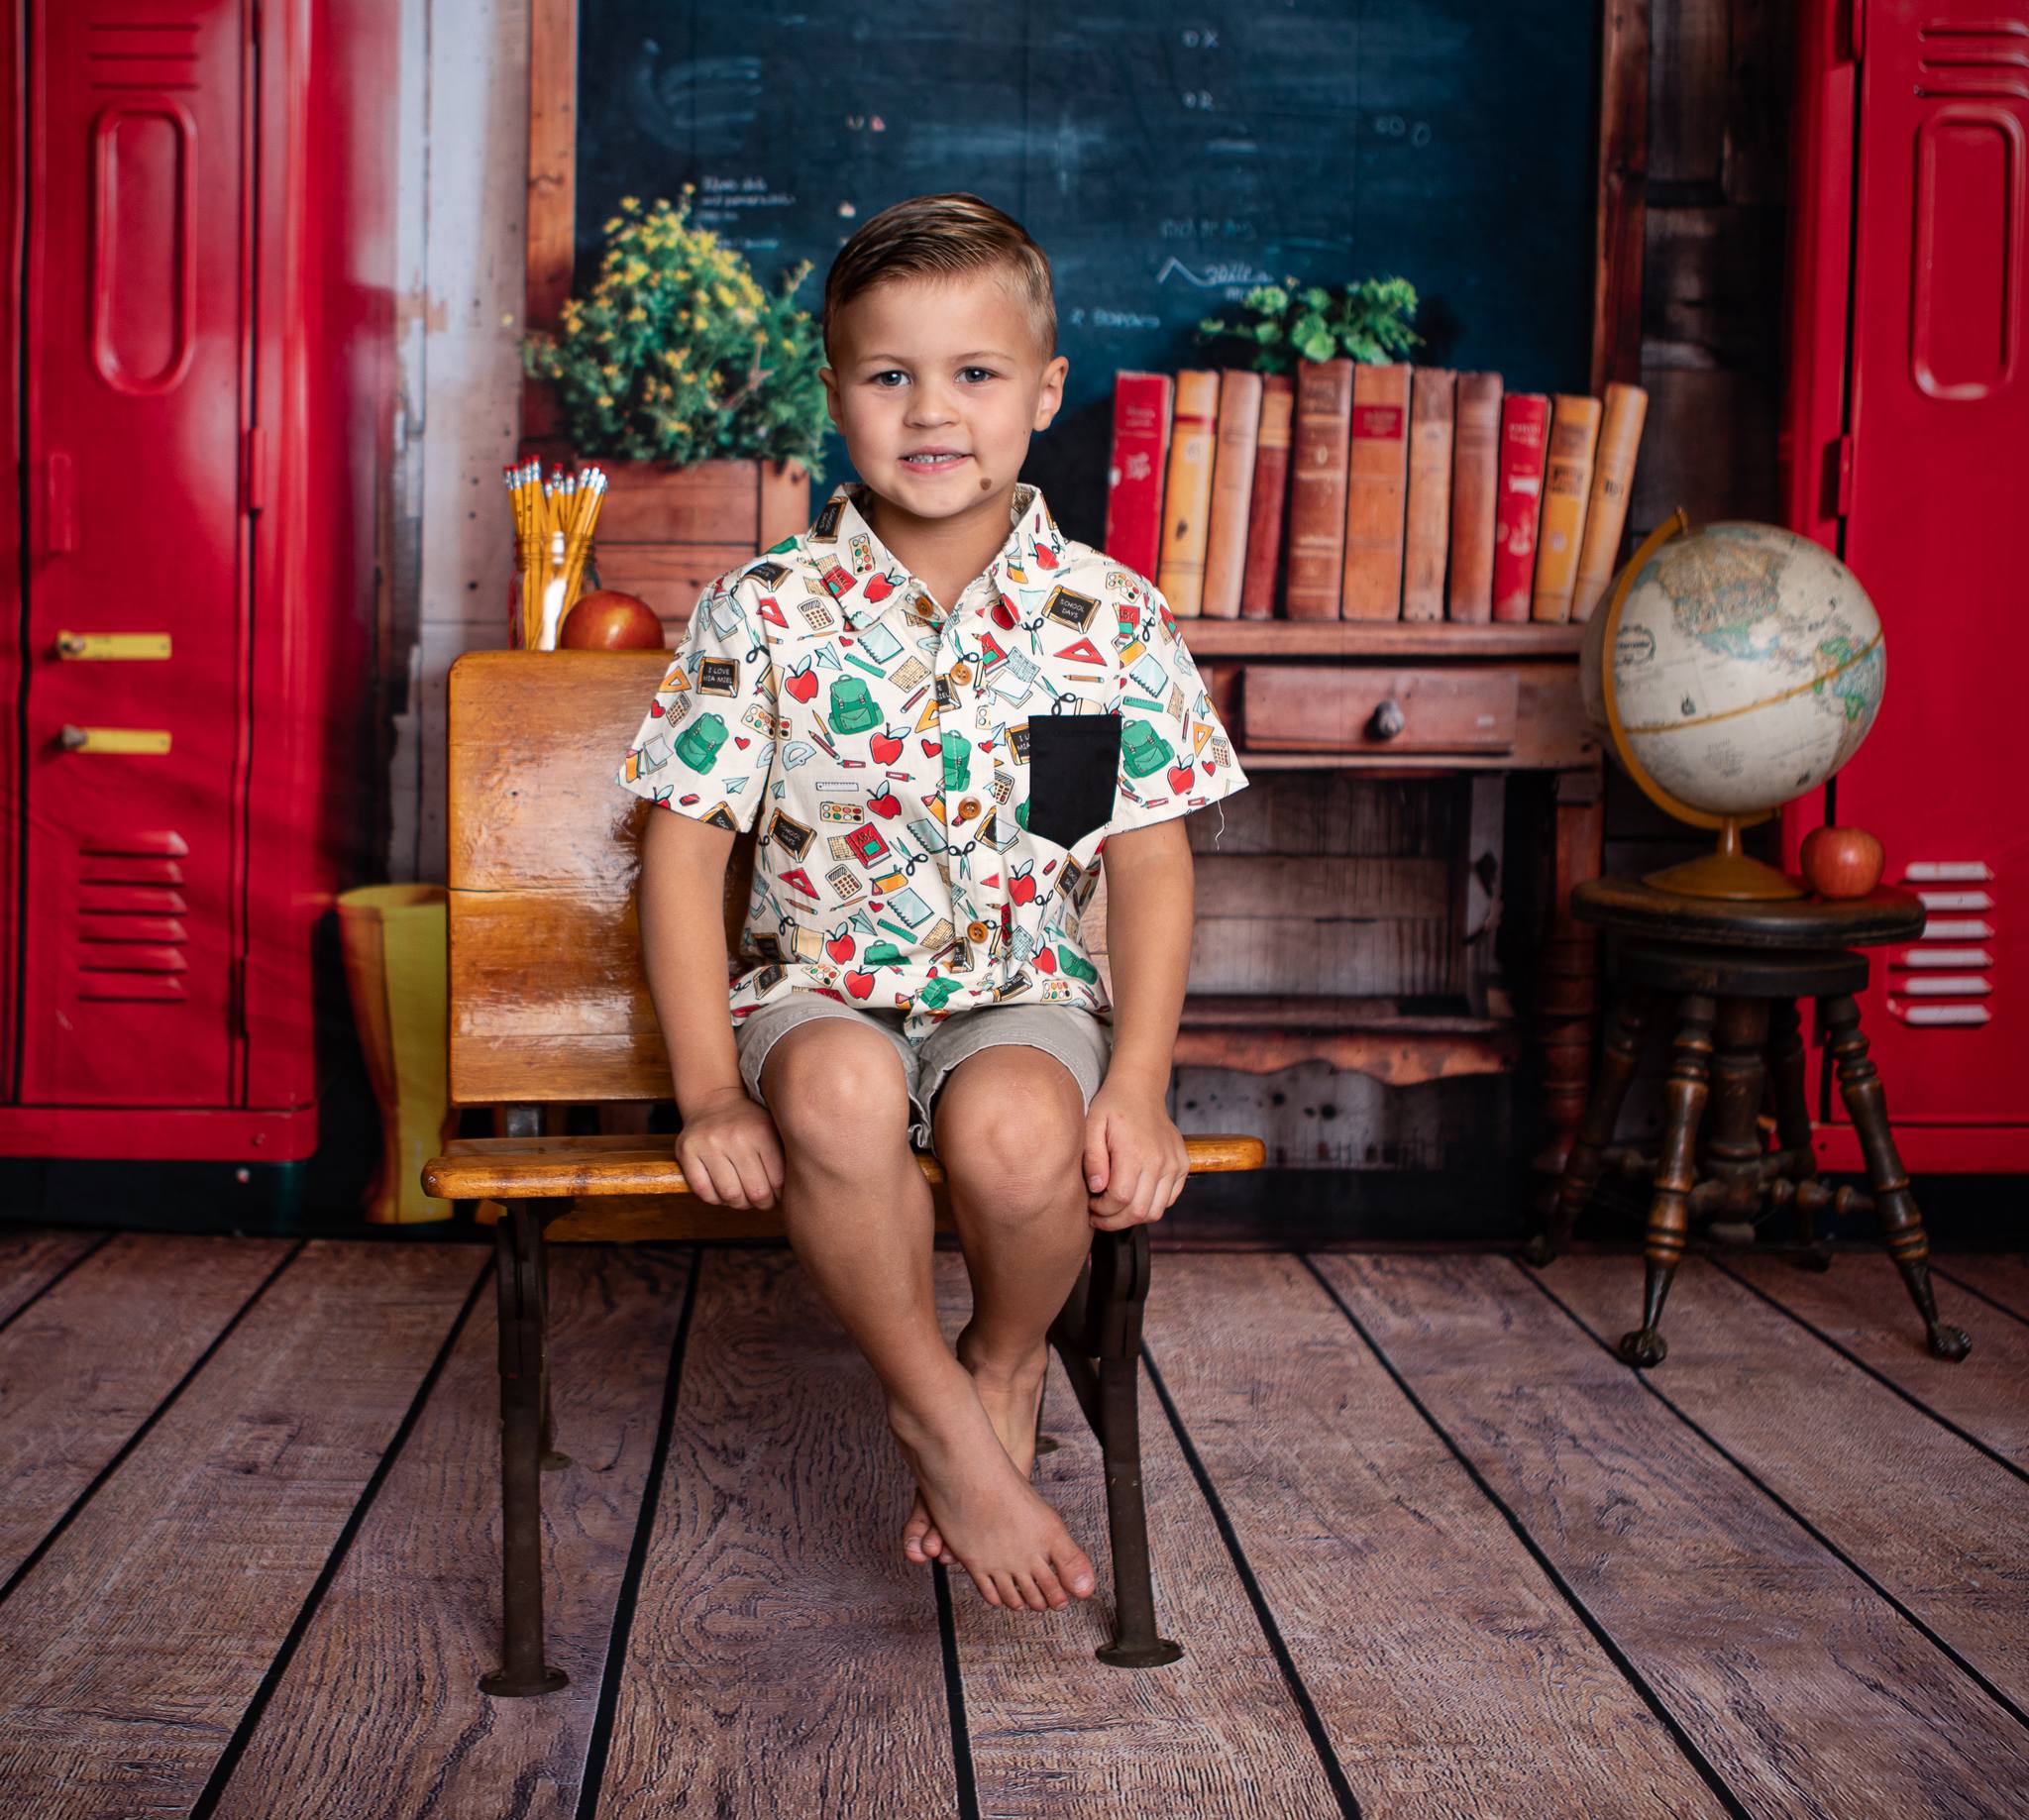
[
  {"x": 60, "y": 504},
  {"x": 151, "y": 740}
]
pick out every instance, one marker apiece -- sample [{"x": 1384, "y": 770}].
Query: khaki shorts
[{"x": 1073, "y": 1036}]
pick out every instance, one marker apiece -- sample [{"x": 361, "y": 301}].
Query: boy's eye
[{"x": 971, "y": 374}]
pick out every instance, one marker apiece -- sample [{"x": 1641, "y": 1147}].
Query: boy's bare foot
[
  {"x": 1013, "y": 1544},
  {"x": 1013, "y": 1402}
]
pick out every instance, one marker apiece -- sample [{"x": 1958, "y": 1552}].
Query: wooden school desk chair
[{"x": 549, "y": 1006}]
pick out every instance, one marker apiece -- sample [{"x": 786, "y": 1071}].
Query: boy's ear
[
  {"x": 830, "y": 380},
  {"x": 1049, "y": 395}
]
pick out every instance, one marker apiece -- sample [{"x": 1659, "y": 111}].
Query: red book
[
  {"x": 1525, "y": 440},
  {"x": 1267, "y": 509},
  {"x": 1142, "y": 406}
]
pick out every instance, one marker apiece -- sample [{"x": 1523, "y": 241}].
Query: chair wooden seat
[
  {"x": 517, "y": 1168},
  {"x": 549, "y": 1006}
]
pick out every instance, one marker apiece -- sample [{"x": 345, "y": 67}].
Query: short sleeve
[
  {"x": 707, "y": 744},
  {"x": 1168, "y": 725}
]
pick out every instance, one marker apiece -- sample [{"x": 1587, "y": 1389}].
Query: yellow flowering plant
[{"x": 677, "y": 354}]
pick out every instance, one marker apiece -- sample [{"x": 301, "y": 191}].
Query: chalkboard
[{"x": 1165, "y": 160}]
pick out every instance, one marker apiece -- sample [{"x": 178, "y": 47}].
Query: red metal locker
[
  {"x": 1907, "y": 451},
  {"x": 204, "y": 203}
]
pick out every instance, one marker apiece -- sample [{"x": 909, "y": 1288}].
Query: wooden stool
[{"x": 1737, "y": 970}]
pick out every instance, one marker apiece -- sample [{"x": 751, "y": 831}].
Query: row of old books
[{"x": 1360, "y": 492}]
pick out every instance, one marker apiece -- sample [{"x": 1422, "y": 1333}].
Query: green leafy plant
[
  {"x": 1281, "y": 323},
  {"x": 677, "y": 354}
]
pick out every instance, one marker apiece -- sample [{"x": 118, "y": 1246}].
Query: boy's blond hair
[{"x": 942, "y": 237}]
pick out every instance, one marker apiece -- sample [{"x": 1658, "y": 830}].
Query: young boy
[{"x": 939, "y": 709}]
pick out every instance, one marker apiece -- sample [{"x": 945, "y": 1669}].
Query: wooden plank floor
[{"x": 1430, "y": 1550}]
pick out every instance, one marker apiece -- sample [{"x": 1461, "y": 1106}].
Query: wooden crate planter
[{"x": 665, "y": 532}]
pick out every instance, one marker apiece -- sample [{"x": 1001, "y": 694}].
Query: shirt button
[{"x": 961, "y": 673}]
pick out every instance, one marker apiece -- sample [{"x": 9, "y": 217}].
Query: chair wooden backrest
[{"x": 548, "y": 1001}]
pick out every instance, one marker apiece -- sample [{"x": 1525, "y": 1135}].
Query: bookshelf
[{"x": 1366, "y": 638}]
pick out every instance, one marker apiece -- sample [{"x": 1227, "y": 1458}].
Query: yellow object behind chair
[{"x": 397, "y": 968}]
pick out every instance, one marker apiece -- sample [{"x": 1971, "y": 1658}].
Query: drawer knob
[{"x": 1388, "y": 720}]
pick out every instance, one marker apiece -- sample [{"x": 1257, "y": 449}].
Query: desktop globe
[{"x": 1730, "y": 669}]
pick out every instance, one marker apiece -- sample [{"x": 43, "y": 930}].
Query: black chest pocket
[{"x": 1073, "y": 767}]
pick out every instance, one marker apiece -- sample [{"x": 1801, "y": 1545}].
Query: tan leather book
[
  {"x": 1567, "y": 486},
  {"x": 1260, "y": 588},
  {"x": 1232, "y": 492},
  {"x": 1613, "y": 480},
  {"x": 1187, "y": 496},
  {"x": 1475, "y": 468},
  {"x": 1376, "y": 492},
  {"x": 1427, "y": 529},
  {"x": 1317, "y": 489}
]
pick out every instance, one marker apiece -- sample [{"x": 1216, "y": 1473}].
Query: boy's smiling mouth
[{"x": 934, "y": 461}]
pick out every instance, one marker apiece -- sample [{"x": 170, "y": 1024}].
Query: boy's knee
[
  {"x": 1019, "y": 1160},
  {"x": 833, "y": 1088}
]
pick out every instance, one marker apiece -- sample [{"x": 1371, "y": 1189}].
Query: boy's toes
[
  {"x": 919, "y": 1537},
  {"x": 1074, "y": 1570}
]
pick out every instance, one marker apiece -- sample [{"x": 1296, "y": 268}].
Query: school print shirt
[{"x": 934, "y": 787}]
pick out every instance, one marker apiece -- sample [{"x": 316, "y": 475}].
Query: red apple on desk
[
  {"x": 609, "y": 620},
  {"x": 1842, "y": 861}
]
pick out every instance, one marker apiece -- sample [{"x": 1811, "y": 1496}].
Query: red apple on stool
[
  {"x": 609, "y": 620},
  {"x": 1839, "y": 862}
]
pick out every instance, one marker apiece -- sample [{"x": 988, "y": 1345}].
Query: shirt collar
[{"x": 1035, "y": 548}]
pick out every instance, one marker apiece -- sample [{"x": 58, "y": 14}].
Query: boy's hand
[
  {"x": 730, "y": 1152},
  {"x": 1135, "y": 1160}
]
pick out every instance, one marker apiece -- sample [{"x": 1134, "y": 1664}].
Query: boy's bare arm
[
  {"x": 683, "y": 952},
  {"x": 1150, "y": 907}
]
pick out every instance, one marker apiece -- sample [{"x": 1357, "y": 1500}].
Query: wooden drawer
[{"x": 1325, "y": 707}]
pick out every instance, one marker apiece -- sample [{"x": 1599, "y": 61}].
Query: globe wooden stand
[{"x": 1735, "y": 971}]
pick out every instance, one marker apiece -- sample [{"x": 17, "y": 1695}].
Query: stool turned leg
[
  {"x": 1670, "y": 1211},
  {"x": 1595, "y": 1132},
  {"x": 523, "y": 1670},
  {"x": 1731, "y": 1151},
  {"x": 1860, "y": 1086},
  {"x": 1793, "y": 1122}
]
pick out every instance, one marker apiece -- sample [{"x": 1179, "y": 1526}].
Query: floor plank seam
[
  {"x": 1795, "y": 1516},
  {"x": 169, "y": 1402},
  {"x": 1880, "y": 1377},
  {"x": 1972, "y": 1289},
  {"x": 599, "y": 1743},
  {"x": 954, "y": 1695},
  {"x": 271, "y": 1679},
  {"x": 1569, "y": 1593},
  {"x": 84, "y": 1256},
  {"x": 1313, "y": 1724}
]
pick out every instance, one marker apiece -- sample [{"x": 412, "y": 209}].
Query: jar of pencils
[{"x": 554, "y": 522}]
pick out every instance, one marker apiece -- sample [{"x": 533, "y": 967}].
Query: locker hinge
[
  {"x": 256, "y": 468},
  {"x": 1841, "y": 471}
]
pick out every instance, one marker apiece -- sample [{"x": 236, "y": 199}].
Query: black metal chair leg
[
  {"x": 516, "y": 1262},
  {"x": 1860, "y": 1086},
  {"x": 1120, "y": 1291},
  {"x": 552, "y": 1458}
]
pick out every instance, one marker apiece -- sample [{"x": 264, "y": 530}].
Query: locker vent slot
[
  {"x": 1939, "y": 983},
  {"x": 129, "y": 943}
]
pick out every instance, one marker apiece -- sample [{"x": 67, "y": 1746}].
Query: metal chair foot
[
  {"x": 503, "y": 1685},
  {"x": 1155, "y": 1655}
]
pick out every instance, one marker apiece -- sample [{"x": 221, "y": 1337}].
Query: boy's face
[{"x": 939, "y": 384}]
